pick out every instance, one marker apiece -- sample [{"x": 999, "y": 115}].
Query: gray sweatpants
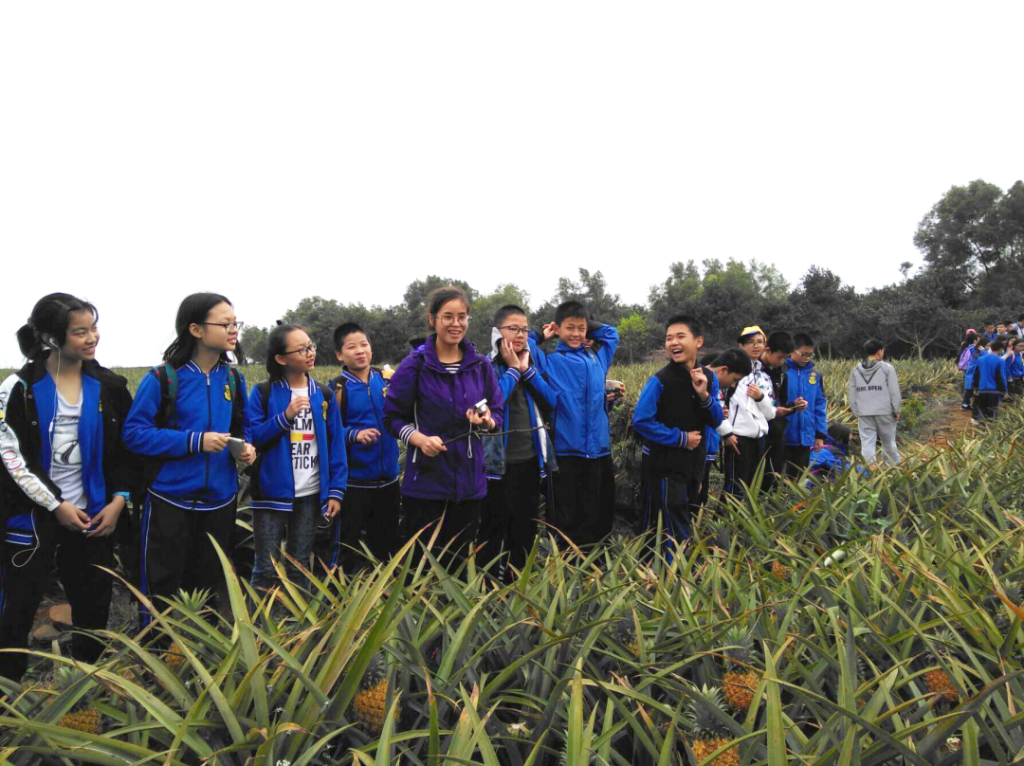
[{"x": 875, "y": 427}]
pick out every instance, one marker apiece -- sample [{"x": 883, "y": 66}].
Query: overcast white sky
[{"x": 272, "y": 151}]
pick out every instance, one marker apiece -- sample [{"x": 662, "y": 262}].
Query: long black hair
[
  {"x": 194, "y": 310},
  {"x": 277, "y": 343},
  {"x": 50, "y": 316}
]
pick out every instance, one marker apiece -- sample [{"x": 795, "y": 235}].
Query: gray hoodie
[{"x": 874, "y": 389}]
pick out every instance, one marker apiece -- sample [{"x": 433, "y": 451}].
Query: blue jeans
[{"x": 269, "y": 531}]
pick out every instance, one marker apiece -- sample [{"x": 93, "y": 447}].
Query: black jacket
[{"x": 25, "y": 484}]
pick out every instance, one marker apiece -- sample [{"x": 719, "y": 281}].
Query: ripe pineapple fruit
[
  {"x": 84, "y": 717},
  {"x": 708, "y": 734},
  {"x": 173, "y": 657},
  {"x": 740, "y": 682},
  {"x": 936, "y": 678},
  {"x": 781, "y": 571},
  {"x": 87, "y": 719},
  {"x": 370, "y": 703}
]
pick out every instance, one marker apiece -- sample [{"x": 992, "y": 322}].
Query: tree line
[{"x": 972, "y": 242}]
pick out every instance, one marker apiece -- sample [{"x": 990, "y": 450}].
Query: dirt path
[{"x": 949, "y": 427}]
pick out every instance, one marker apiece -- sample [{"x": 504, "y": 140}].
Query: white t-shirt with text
[
  {"x": 305, "y": 457},
  {"x": 66, "y": 454}
]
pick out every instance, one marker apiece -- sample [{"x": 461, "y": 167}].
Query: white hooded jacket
[{"x": 748, "y": 417}]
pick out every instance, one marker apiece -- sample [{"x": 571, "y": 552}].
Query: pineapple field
[{"x": 867, "y": 619}]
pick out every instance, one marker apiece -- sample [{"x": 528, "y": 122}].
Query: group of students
[
  {"x": 992, "y": 362},
  {"x": 487, "y": 437},
  {"x": 323, "y": 460}
]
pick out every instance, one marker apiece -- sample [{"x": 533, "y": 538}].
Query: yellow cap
[{"x": 751, "y": 330}]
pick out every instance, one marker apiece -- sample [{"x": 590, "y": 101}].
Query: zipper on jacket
[
  {"x": 586, "y": 410},
  {"x": 380, "y": 425},
  {"x": 209, "y": 426},
  {"x": 456, "y": 476}
]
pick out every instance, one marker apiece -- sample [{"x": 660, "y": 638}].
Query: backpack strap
[
  {"x": 237, "y": 390},
  {"x": 166, "y": 417},
  {"x": 167, "y": 413},
  {"x": 339, "y": 394}
]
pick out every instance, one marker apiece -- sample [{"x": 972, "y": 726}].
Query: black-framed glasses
[
  {"x": 516, "y": 330},
  {"x": 229, "y": 326},
  {"x": 447, "y": 320},
  {"x": 805, "y": 354},
  {"x": 305, "y": 350}
]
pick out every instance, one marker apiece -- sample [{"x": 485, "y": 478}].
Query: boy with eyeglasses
[
  {"x": 806, "y": 427},
  {"x": 577, "y": 372},
  {"x": 518, "y": 461}
]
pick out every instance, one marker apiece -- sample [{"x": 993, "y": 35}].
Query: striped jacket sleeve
[{"x": 24, "y": 469}]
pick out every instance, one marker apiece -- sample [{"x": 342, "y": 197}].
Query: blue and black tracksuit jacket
[
  {"x": 578, "y": 375},
  {"x": 27, "y": 412},
  {"x": 990, "y": 375},
  {"x": 370, "y": 466},
  {"x": 667, "y": 409},
  {"x": 811, "y": 423},
  {"x": 541, "y": 399},
  {"x": 188, "y": 478}
]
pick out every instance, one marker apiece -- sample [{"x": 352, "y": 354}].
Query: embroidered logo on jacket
[
  {"x": 812, "y": 378},
  {"x": 227, "y": 392},
  {"x": 325, "y": 410}
]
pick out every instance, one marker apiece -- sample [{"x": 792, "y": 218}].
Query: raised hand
[
  {"x": 297, "y": 405},
  {"x": 524, "y": 360},
  {"x": 700, "y": 382},
  {"x": 510, "y": 356}
]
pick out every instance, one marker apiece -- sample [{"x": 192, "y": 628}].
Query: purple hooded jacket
[{"x": 424, "y": 397}]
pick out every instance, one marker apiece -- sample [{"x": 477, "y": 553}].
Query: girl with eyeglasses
[
  {"x": 302, "y": 469},
  {"x": 188, "y": 422},
  {"x": 67, "y": 476},
  {"x": 431, "y": 406}
]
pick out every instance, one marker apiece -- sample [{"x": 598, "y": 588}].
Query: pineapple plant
[
  {"x": 707, "y": 732},
  {"x": 740, "y": 682},
  {"x": 370, "y": 703},
  {"x": 624, "y": 632}
]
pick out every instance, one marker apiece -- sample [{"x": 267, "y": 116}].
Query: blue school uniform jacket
[
  {"x": 667, "y": 409},
  {"x": 990, "y": 375},
  {"x": 803, "y": 427},
  {"x": 26, "y": 413},
  {"x": 1014, "y": 366},
  {"x": 274, "y": 484},
  {"x": 541, "y": 400},
  {"x": 188, "y": 477},
  {"x": 578, "y": 375},
  {"x": 362, "y": 406},
  {"x": 973, "y": 366}
]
